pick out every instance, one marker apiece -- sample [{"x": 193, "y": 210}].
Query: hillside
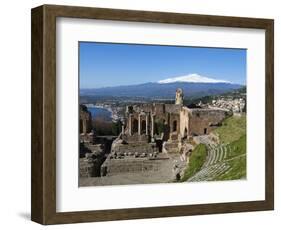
[
  {"x": 157, "y": 90},
  {"x": 224, "y": 161},
  {"x": 232, "y": 129}
]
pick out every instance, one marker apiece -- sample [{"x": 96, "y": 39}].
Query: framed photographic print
[{"x": 141, "y": 114}]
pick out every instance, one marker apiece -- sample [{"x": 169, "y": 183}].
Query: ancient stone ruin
[
  {"x": 179, "y": 97},
  {"x": 157, "y": 132},
  {"x": 92, "y": 151}
]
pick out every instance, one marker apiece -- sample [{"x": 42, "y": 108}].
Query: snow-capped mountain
[
  {"x": 192, "y": 78},
  {"x": 193, "y": 85}
]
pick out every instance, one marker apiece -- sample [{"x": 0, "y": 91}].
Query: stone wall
[
  {"x": 155, "y": 108},
  {"x": 91, "y": 158},
  {"x": 133, "y": 148},
  {"x": 135, "y": 138},
  {"x": 151, "y": 119},
  {"x": 159, "y": 109},
  {"x": 203, "y": 121},
  {"x": 174, "y": 125},
  {"x": 85, "y": 124},
  {"x": 172, "y": 108},
  {"x": 90, "y": 165},
  {"x": 116, "y": 166},
  {"x": 85, "y": 168}
]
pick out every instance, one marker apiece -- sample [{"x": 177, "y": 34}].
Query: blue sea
[{"x": 102, "y": 113}]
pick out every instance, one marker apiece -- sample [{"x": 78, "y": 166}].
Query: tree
[{"x": 116, "y": 127}]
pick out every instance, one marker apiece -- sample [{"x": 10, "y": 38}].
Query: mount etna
[{"x": 193, "y": 85}]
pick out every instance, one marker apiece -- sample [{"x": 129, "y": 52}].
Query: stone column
[
  {"x": 152, "y": 125},
  {"x": 139, "y": 125},
  {"x": 146, "y": 124},
  {"x": 84, "y": 126},
  {"x": 122, "y": 129},
  {"x": 130, "y": 124}
]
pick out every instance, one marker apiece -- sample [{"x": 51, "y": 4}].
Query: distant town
[{"x": 234, "y": 101}]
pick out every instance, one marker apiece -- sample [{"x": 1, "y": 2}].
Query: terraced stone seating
[
  {"x": 215, "y": 165},
  {"x": 136, "y": 138},
  {"x": 217, "y": 154},
  {"x": 136, "y": 147},
  {"x": 210, "y": 173},
  {"x": 129, "y": 165}
]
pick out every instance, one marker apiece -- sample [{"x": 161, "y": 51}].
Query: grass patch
[
  {"x": 237, "y": 171},
  {"x": 237, "y": 147},
  {"x": 237, "y": 160},
  {"x": 196, "y": 161},
  {"x": 232, "y": 129}
]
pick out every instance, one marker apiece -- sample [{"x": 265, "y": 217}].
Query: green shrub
[{"x": 196, "y": 161}]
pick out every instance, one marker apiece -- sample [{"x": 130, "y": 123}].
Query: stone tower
[{"x": 179, "y": 97}]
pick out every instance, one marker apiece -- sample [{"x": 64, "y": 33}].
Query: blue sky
[{"x": 109, "y": 64}]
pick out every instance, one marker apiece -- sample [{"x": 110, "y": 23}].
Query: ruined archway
[
  {"x": 185, "y": 133},
  {"x": 205, "y": 131},
  {"x": 174, "y": 126},
  {"x": 135, "y": 126},
  {"x": 80, "y": 125},
  {"x": 143, "y": 126}
]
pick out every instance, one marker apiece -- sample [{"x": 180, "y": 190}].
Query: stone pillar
[
  {"x": 139, "y": 125},
  {"x": 130, "y": 124},
  {"x": 84, "y": 126},
  {"x": 146, "y": 124},
  {"x": 122, "y": 129},
  {"x": 152, "y": 125}
]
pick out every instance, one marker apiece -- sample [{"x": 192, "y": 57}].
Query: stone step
[
  {"x": 171, "y": 147},
  {"x": 215, "y": 164},
  {"x": 171, "y": 144},
  {"x": 210, "y": 173}
]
